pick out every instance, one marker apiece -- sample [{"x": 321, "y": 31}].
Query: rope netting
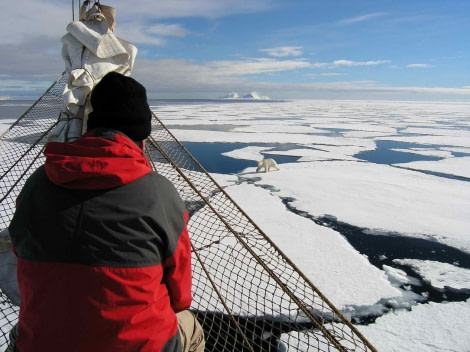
[{"x": 248, "y": 295}]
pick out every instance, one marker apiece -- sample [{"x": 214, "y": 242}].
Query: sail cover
[
  {"x": 248, "y": 295},
  {"x": 90, "y": 50}
]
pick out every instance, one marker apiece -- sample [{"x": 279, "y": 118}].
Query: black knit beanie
[{"x": 120, "y": 102}]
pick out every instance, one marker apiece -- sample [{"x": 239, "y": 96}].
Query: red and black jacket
[{"x": 103, "y": 248}]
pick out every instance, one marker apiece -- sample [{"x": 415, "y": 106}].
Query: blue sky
[{"x": 284, "y": 49}]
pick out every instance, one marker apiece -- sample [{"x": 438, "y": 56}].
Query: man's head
[{"x": 120, "y": 102}]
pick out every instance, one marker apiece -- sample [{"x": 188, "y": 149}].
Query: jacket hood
[{"x": 101, "y": 159}]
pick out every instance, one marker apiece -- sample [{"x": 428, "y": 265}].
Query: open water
[{"x": 13, "y": 109}]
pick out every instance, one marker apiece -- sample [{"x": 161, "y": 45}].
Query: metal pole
[{"x": 73, "y": 10}]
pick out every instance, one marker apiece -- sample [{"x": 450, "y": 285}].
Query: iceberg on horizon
[
  {"x": 255, "y": 95},
  {"x": 231, "y": 95},
  {"x": 251, "y": 95}
]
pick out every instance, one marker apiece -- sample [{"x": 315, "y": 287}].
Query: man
[{"x": 104, "y": 257}]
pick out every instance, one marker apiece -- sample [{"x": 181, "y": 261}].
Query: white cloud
[
  {"x": 427, "y": 90},
  {"x": 138, "y": 34},
  {"x": 20, "y": 22},
  {"x": 359, "y": 63},
  {"x": 182, "y": 78},
  {"x": 173, "y": 30},
  {"x": 282, "y": 51},
  {"x": 325, "y": 74},
  {"x": 321, "y": 65},
  {"x": 190, "y": 8},
  {"x": 419, "y": 66},
  {"x": 49, "y": 19},
  {"x": 348, "y": 63},
  {"x": 254, "y": 66},
  {"x": 361, "y": 18},
  {"x": 31, "y": 59}
]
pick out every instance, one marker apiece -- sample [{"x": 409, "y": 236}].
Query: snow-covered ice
[
  {"x": 311, "y": 245},
  {"x": 426, "y": 327},
  {"x": 422, "y": 199},
  {"x": 440, "y": 275},
  {"x": 427, "y": 200},
  {"x": 452, "y": 166}
]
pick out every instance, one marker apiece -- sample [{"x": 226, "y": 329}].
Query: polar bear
[{"x": 267, "y": 164}]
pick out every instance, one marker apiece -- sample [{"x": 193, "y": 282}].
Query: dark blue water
[
  {"x": 210, "y": 156},
  {"x": 13, "y": 109},
  {"x": 383, "y": 249},
  {"x": 385, "y": 155}
]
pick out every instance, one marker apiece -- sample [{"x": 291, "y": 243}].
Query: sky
[{"x": 283, "y": 49}]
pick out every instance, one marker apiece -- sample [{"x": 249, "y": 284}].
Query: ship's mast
[{"x": 73, "y": 8}]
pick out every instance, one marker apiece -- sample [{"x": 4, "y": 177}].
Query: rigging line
[
  {"x": 221, "y": 298},
  {"x": 39, "y": 154},
  {"x": 32, "y": 146},
  {"x": 33, "y": 105},
  {"x": 201, "y": 262},
  {"x": 12, "y": 187},
  {"x": 268, "y": 267},
  {"x": 288, "y": 291},
  {"x": 282, "y": 285}
]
